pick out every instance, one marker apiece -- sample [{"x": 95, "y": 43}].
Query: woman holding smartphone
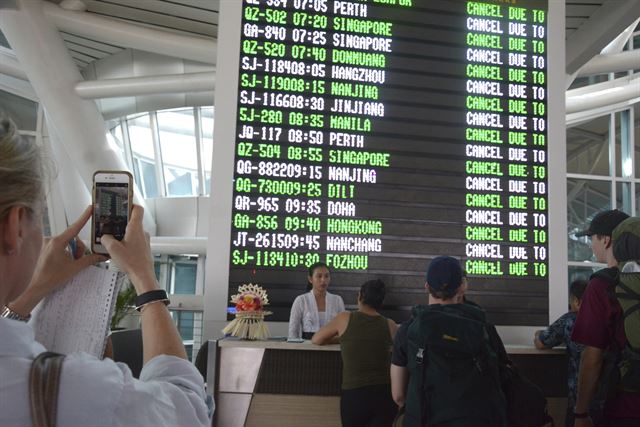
[
  {"x": 92, "y": 392},
  {"x": 316, "y": 308}
]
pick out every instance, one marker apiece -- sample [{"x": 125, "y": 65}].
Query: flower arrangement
[{"x": 249, "y": 322}]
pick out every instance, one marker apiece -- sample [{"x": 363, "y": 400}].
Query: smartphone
[{"x": 112, "y": 204}]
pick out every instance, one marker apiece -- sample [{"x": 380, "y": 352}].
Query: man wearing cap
[
  {"x": 599, "y": 328},
  {"x": 446, "y": 289}
]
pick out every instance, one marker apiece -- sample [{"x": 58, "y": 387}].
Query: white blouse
[
  {"x": 304, "y": 313},
  {"x": 100, "y": 393}
]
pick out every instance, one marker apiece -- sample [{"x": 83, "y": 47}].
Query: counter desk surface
[
  {"x": 275, "y": 382},
  {"x": 281, "y": 344}
]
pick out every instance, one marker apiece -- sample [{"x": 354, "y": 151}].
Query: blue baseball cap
[{"x": 444, "y": 274}]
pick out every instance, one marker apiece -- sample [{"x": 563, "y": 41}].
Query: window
[
  {"x": 142, "y": 147},
  {"x": 602, "y": 173},
  {"x": 178, "y": 275},
  {"x": 189, "y": 324},
  {"x": 22, "y": 111},
  {"x": 207, "y": 120},
  {"x": 178, "y": 143},
  {"x": 169, "y": 151}
]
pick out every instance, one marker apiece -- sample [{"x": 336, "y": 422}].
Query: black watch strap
[
  {"x": 151, "y": 296},
  {"x": 579, "y": 415}
]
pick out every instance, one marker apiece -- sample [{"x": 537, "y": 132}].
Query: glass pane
[
  {"x": 207, "y": 183},
  {"x": 207, "y": 116},
  {"x": 141, "y": 139},
  {"x": 156, "y": 269},
  {"x": 585, "y": 198},
  {"x": 189, "y": 325},
  {"x": 116, "y": 132},
  {"x": 136, "y": 176},
  {"x": 186, "y": 324},
  {"x": 142, "y": 149},
  {"x": 207, "y": 139},
  {"x": 23, "y": 112},
  {"x": 184, "y": 280},
  {"x": 180, "y": 182},
  {"x": 636, "y": 134},
  {"x": 116, "y": 140},
  {"x": 178, "y": 144},
  {"x": 624, "y": 197},
  {"x": 624, "y": 147},
  {"x": 149, "y": 183},
  {"x": 588, "y": 147},
  {"x": 3, "y": 41}
]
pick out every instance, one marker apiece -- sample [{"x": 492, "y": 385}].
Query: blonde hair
[{"x": 22, "y": 174}]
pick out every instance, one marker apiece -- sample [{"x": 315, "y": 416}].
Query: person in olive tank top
[{"x": 365, "y": 338}]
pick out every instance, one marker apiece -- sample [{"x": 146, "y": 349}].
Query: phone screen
[{"x": 111, "y": 211}]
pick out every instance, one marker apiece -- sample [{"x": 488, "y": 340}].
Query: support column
[{"x": 53, "y": 74}]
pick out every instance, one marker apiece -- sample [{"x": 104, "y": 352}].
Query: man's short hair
[
  {"x": 444, "y": 277},
  {"x": 577, "y": 288},
  {"x": 372, "y": 293}
]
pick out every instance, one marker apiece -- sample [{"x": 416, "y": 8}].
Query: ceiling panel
[
  {"x": 163, "y": 14},
  {"x": 95, "y": 54},
  {"x": 92, "y": 44},
  {"x": 581, "y": 10},
  {"x": 203, "y": 13}
]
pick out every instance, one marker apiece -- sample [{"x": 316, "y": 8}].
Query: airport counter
[{"x": 277, "y": 383}]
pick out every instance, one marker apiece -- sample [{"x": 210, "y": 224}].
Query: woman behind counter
[
  {"x": 366, "y": 338},
  {"x": 316, "y": 308}
]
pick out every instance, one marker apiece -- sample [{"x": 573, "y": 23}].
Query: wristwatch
[{"x": 10, "y": 314}]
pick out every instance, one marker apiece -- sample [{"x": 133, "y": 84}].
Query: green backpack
[
  {"x": 626, "y": 249},
  {"x": 454, "y": 376}
]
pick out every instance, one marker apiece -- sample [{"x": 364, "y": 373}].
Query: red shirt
[{"x": 599, "y": 324}]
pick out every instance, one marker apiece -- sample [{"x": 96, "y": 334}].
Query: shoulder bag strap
[{"x": 44, "y": 381}]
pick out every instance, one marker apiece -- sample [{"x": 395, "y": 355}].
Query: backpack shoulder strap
[
  {"x": 44, "y": 381},
  {"x": 629, "y": 294},
  {"x": 610, "y": 275},
  {"x": 416, "y": 346}
]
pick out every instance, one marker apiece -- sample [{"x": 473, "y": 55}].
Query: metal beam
[
  {"x": 614, "y": 63},
  {"x": 179, "y": 245},
  {"x": 134, "y": 86},
  {"x": 598, "y": 32},
  {"x": 625, "y": 89}
]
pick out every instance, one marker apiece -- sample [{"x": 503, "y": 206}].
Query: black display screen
[{"x": 375, "y": 135}]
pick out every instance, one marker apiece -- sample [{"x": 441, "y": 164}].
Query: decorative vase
[
  {"x": 249, "y": 322},
  {"x": 248, "y": 325}
]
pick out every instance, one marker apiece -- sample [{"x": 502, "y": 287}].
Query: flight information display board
[{"x": 375, "y": 135}]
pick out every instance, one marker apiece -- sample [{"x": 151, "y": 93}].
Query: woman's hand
[
  {"x": 133, "y": 253},
  {"x": 56, "y": 265}
]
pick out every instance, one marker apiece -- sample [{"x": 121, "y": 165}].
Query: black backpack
[
  {"x": 454, "y": 377},
  {"x": 526, "y": 404}
]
